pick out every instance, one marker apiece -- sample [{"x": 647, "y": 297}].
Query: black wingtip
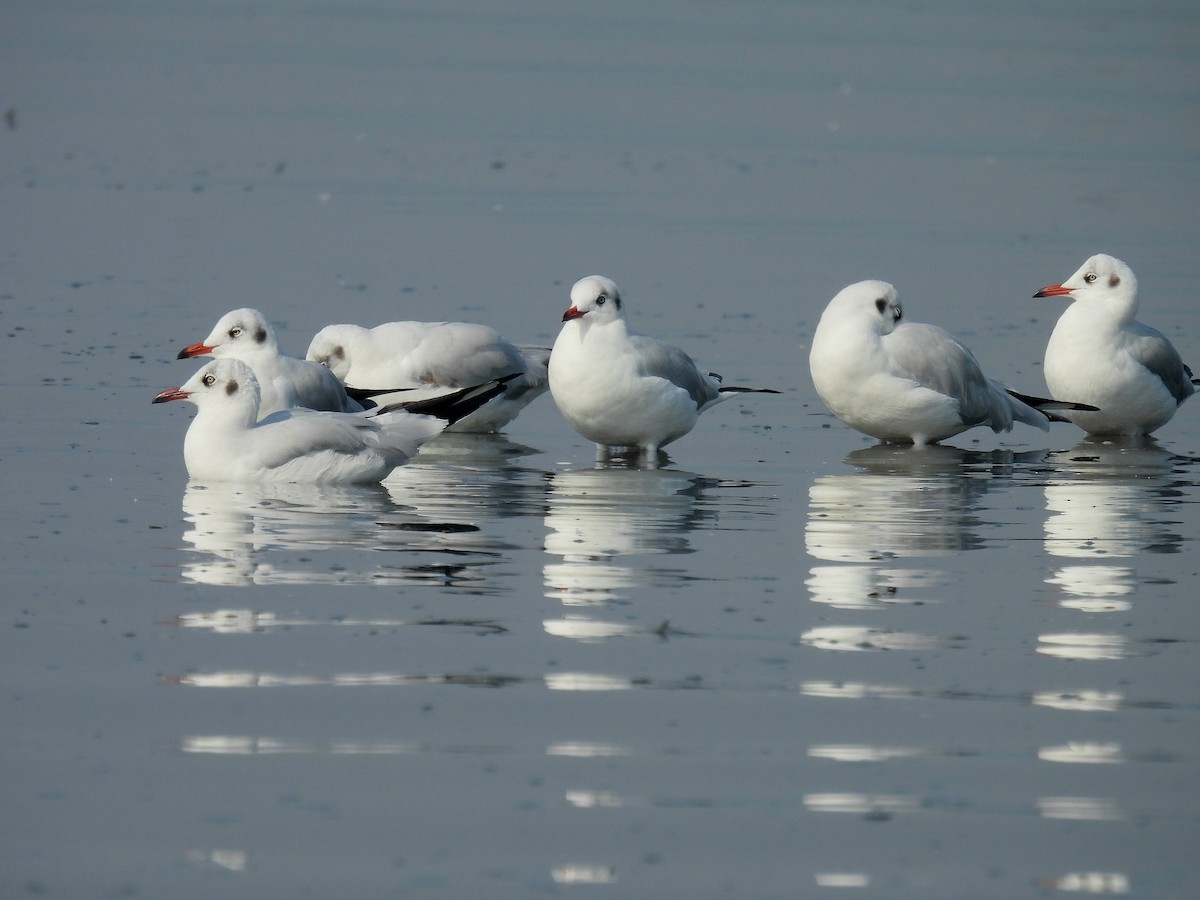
[
  {"x": 455, "y": 405},
  {"x": 1047, "y": 406}
]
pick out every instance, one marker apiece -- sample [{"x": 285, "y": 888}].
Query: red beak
[
  {"x": 172, "y": 394},
  {"x": 195, "y": 350},
  {"x": 573, "y": 313},
  {"x": 1053, "y": 290}
]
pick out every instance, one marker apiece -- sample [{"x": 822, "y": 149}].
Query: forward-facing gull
[
  {"x": 620, "y": 389},
  {"x": 227, "y": 441},
  {"x": 399, "y": 355},
  {"x": 285, "y": 381},
  {"x": 906, "y": 382},
  {"x": 1099, "y": 354}
]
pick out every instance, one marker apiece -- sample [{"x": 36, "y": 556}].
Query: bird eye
[
  {"x": 234, "y": 332},
  {"x": 1090, "y": 277},
  {"x": 602, "y": 299},
  {"x": 209, "y": 380},
  {"x": 325, "y": 363}
]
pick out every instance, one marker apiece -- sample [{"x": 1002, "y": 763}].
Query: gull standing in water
[
  {"x": 906, "y": 382},
  {"x": 620, "y": 389},
  {"x": 285, "y": 381},
  {"x": 1100, "y": 354},
  {"x": 228, "y": 442}
]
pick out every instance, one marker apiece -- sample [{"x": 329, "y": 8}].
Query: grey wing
[
  {"x": 292, "y": 433},
  {"x": 931, "y": 357},
  {"x": 318, "y": 388},
  {"x": 665, "y": 361},
  {"x": 1152, "y": 349}
]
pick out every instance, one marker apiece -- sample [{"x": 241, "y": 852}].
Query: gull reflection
[
  {"x": 858, "y": 638},
  {"x": 1087, "y": 883},
  {"x": 1082, "y": 752},
  {"x": 285, "y": 533},
  {"x": 903, "y": 501},
  {"x": 865, "y": 588},
  {"x": 1108, "y": 500},
  {"x": 1079, "y": 701},
  {"x": 416, "y": 528},
  {"x": 1073, "y": 645},
  {"x": 1090, "y": 809},
  {"x": 233, "y": 860},
  {"x": 461, "y": 477},
  {"x": 603, "y": 525},
  {"x": 583, "y": 873},
  {"x": 874, "y": 805},
  {"x": 247, "y": 533}
]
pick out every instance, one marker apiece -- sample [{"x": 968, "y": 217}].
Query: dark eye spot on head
[
  {"x": 881, "y": 304},
  {"x": 339, "y": 351},
  {"x": 1114, "y": 280},
  {"x": 260, "y": 335},
  {"x": 231, "y": 388}
]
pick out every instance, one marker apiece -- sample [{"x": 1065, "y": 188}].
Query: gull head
[
  {"x": 222, "y": 384},
  {"x": 238, "y": 332},
  {"x": 872, "y": 303},
  {"x": 595, "y": 297},
  {"x": 1102, "y": 279}
]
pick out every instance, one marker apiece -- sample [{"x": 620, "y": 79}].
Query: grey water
[{"x": 787, "y": 663}]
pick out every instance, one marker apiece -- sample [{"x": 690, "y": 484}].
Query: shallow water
[{"x": 789, "y": 663}]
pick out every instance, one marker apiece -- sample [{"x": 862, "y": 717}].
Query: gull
[
  {"x": 1099, "y": 354},
  {"x": 620, "y": 389},
  {"x": 227, "y": 441},
  {"x": 401, "y": 355},
  {"x": 285, "y": 381},
  {"x": 905, "y": 382}
]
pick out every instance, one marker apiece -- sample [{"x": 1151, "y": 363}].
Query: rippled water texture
[{"x": 787, "y": 664}]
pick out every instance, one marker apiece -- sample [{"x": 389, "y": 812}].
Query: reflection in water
[
  {"x": 1076, "y": 645},
  {"x": 243, "y": 532},
  {"x": 902, "y": 502},
  {"x": 606, "y": 529},
  {"x": 231, "y": 860},
  {"x": 577, "y": 873},
  {"x": 422, "y": 517},
  {"x": 249, "y": 621},
  {"x": 862, "y": 753},
  {"x": 865, "y": 588},
  {"x": 844, "y": 637},
  {"x": 1094, "y": 809},
  {"x": 1079, "y": 701},
  {"x": 1088, "y": 883},
  {"x": 879, "y": 806},
  {"x": 1082, "y": 752},
  {"x": 843, "y": 879},
  {"x": 460, "y": 477},
  {"x": 1108, "y": 500}
]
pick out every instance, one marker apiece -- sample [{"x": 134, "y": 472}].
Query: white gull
[
  {"x": 401, "y": 355},
  {"x": 620, "y": 389},
  {"x": 1101, "y": 355},
  {"x": 906, "y": 382},
  {"x": 227, "y": 441}
]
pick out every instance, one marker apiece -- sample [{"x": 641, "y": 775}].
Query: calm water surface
[{"x": 790, "y": 662}]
